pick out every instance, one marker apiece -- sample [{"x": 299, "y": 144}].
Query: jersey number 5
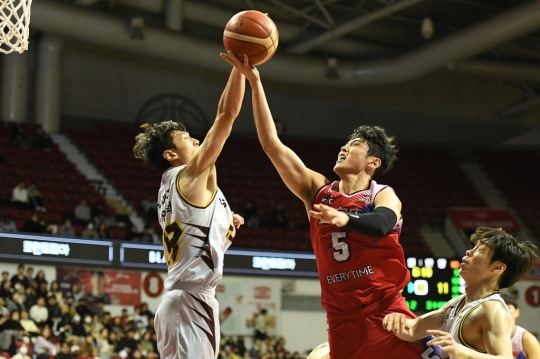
[
  {"x": 341, "y": 252},
  {"x": 430, "y": 353}
]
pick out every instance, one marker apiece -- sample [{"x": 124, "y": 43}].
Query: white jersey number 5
[{"x": 341, "y": 247}]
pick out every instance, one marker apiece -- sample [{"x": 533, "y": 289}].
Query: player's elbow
[{"x": 270, "y": 146}]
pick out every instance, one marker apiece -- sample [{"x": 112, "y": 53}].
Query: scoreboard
[{"x": 434, "y": 281}]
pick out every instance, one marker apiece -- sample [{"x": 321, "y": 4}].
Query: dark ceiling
[
  {"x": 340, "y": 43},
  {"x": 374, "y": 29}
]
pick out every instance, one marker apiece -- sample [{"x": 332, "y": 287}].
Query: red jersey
[{"x": 355, "y": 270}]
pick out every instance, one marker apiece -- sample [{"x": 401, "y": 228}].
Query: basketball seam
[{"x": 266, "y": 42}]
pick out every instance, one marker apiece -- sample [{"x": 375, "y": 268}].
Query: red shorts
[{"x": 360, "y": 334}]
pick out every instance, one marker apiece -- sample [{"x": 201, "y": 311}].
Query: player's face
[
  {"x": 185, "y": 145},
  {"x": 353, "y": 157},
  {"x": 476, "y": 264}
]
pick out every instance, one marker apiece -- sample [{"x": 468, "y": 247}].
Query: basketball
[{"x": 252, "y": 33}]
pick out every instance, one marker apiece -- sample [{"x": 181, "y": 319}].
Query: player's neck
[
  {"x": 479, "y": 291},
  {"x": 352, "y": 184}
]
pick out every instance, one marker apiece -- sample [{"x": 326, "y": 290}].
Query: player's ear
[
  {"x": 170, "y": 155},
  {"x": 374, "y": 162},
  {"x": 500, "y": 267}
]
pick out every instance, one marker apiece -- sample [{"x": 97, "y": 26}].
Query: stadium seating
[{"x": 59, "y": 182}]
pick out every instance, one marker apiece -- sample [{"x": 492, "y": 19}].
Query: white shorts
[{"x": 187, "y": 325}]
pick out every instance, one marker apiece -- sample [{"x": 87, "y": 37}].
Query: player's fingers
[
  {"x": 402, "y": 324},
  {"x": 385, "y": 322},
  {"x": 390, "y": 323}
]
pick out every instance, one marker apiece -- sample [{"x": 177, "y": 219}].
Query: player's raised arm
[
  {"x": 301, "y": 180},
  {"x": 228, "y": 109}
]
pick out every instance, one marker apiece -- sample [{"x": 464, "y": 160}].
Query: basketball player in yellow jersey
[
  {"x": 477, "y": 324},
  {"x": 198, "y": 226}
]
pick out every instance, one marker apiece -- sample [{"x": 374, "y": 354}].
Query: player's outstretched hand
[
  {"x": 329, "y": 215},
  {"x": 250, "y": 72},
  {"x": 238, "y": 220}
]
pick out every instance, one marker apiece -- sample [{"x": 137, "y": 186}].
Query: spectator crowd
[{"x": 39, "y": 320}]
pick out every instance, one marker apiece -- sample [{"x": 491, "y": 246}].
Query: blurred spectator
[
  {"x": 125, "y": 317},
  {"x": 19, "y": 195},
  {"x": 30, "y": 276},
  {"x": 35, "y": 198},
  {"x": 66, "y": 229},
  {"x": 39, "y": 312},
  {"x": 87, "y": 346},
  {"x": 33, "y": 225},
  {"x": 22, "y": 352},
  {"x": 105, "y": 349},
  {"x": 6, "y": 289},
  {"x": 117, "y": 325},
  {"x": 82, "y": 308},
  {"x": 82, "y": 212},
  {"x": 43, "y": 346},
  {"x": 55, "y": 312},
  {"x": 50, "y": 228},
  {"x": 42, "y": 290},
  {"x": 77, "y": 326},
  {"x": 8, "y": 224},
  {"x": 40, "y": 278},
  {"x": 90, "y": 231},
  {"x": 261, "y": 325},
  {"x": 251, "y": 215},
  {"x": 103, "y": 231},
  {"x": 146, "y": 344},
  {"x": 19, "y": 278},
  {"x": 13, "y": 302},
  {"x": 107, "y": 320},
  {"x": 29, "y": 297},
  {"x": 28, "y": 324},
  {"x": 76, "y": 293},
  {"x": 99, "y": 309},
  {"x": 11, "y": 331},
  {"x": 54, "y": 289},
  {"x": 65, "y": 352},
  {"x": 128, "y": 342},
  {"x": 279, "y": 217}
]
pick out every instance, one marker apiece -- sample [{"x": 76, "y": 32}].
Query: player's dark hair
[
  {"x": 518, "y": 257},
  {"x": 153, "y": 141},
  {"x": 379, "y": 144}
]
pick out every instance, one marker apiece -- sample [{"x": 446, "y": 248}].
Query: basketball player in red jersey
[{"x": 355, "y": 225}]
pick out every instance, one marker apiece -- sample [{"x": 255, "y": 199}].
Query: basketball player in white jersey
[
  {"x": 478, "y": 323},
  {"x": 524, "y": 343},
  {"x": 198, "y": 226}
]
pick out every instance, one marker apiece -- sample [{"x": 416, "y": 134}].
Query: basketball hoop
[{"x": 14, "y": 25}]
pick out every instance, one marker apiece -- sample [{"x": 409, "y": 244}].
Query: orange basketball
[{"x": 252, "y": 33}]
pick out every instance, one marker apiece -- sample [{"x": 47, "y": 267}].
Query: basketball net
[{"x": 14, "y": 25}]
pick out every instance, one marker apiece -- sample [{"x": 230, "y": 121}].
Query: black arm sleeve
[{"x": 375, "y": 224}]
